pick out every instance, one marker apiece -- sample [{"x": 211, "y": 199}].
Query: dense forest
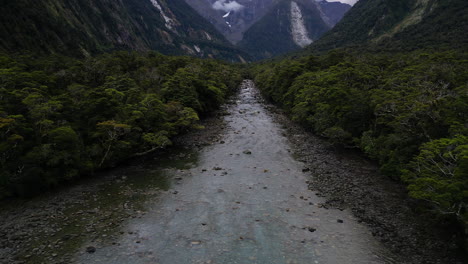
[
  {"x": 61, "y": 118},
  {"x": 408, "y": 111},
  {"x": 83, "y": 88}
]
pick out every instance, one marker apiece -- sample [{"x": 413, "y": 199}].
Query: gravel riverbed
[{"x": 94, "y": 212}]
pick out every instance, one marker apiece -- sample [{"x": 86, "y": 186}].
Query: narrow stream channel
[{"x": 245, "y": 200}]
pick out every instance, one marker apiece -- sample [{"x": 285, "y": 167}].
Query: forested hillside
[
  {"x": 400, "y": 25},
  {"x": 408, "y": 111},
  {"x": 83, "y": 28},
  {"x": 391, "y": 80},
  {"x": 62, "y": 118}
]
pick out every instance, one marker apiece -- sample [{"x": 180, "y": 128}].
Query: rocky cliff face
[
  {"x": 82, "y": 27},
  {"x": 333, "y": 11},
  {"x": 232, "y": 18},
  {"x": 266, "y": 28},
  {"x": 288, "y": 26}
]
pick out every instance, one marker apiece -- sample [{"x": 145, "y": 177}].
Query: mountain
[
  {"x": 232, "y": 18},
  {"x": 400, "y": 25},
  {"x": 83, "y": 27},
  {"x": 288, "y": 26},
  {"x": 334, "y": 11}
]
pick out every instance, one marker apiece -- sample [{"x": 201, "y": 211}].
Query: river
[{"x": 245, "y": 200}]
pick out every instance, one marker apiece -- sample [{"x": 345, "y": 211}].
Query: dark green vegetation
[
  {"x": 61, "y": 118},
  {"x": 408, "y": 111},
  {"x": 84, "y": 27},
  {"x": 400, "y": 25},
  {"x": 397, "y": 89}
]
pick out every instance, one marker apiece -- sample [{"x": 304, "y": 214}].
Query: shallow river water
[{"x": 244, "y": 200}]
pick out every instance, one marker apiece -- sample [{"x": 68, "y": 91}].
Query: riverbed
[
  {"x": 245, "y": 200},
  {"x": 241, "y": 194}
]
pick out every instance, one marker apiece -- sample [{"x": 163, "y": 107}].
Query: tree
[
  {"x": 110, "y": 133},
  {"x": 181, "y": 88},
  {"x": 439, "y": 175}
]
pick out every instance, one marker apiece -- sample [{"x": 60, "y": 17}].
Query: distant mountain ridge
[
  {"x": 400, "y": 25},
  {"x": 232, "y": 18},
  {"x": 290, "y": 25},
  {"x": 82, "y": 27},
  {"x": 334, "y": 11},
  {"x": 235, "y": 18}
]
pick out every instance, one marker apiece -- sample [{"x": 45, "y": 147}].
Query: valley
[
  {"x": 234, "y": 131},
  {"x": 236, "y": 192}
]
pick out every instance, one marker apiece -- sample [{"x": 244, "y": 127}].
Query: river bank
[
  {"x": 231, "y": 192},
  {"x": 348, "y": 180},
  {"x": 52, "y": 227}
]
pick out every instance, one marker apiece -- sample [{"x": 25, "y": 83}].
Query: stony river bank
[
  {"x": 252, "y": 187},
  {"x": 348, "y": 180}
]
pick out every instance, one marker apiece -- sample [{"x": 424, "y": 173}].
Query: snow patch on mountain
[
  {"x": 169, "y": 22},
  {"x": 349, "y": 2},
  {"x": 298, "y": 28}
]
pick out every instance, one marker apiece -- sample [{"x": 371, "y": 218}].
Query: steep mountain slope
[
  {"x": 334, "y": 11},
  {"x": 232, "y": 18},
  {"x": 82, "y": 27},
  {"x": 288, "y": 26},
  {"x": 401, "y": 25}
]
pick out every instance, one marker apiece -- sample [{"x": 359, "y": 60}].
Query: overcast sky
[{"x": 351, "y": 2}]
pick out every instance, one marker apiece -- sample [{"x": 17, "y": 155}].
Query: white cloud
[
  {"x": 350, "y": 2},
  {"x": 227, "y": 6}
]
